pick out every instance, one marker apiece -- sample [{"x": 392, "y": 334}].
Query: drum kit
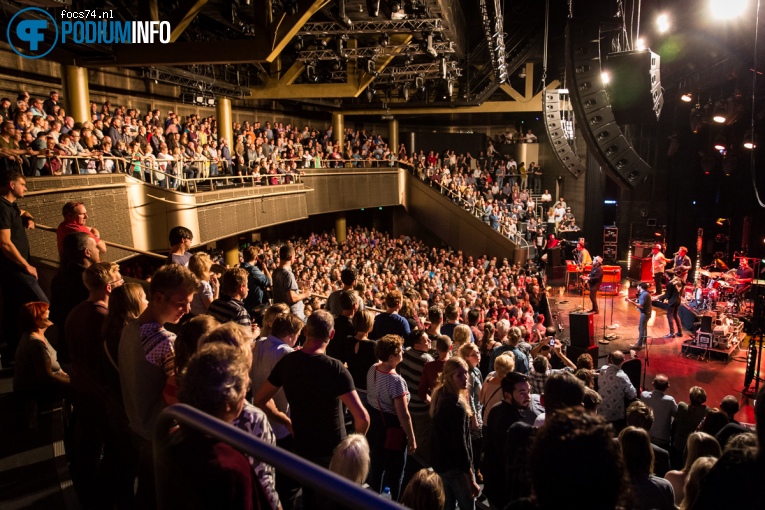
[{"x": 719, "y": 287}]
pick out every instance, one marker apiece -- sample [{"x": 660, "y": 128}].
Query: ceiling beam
[
  {"x": 532, "y": 105},
  {"x": 282, "y": 31},
  {"x": 183, "y": 17}
]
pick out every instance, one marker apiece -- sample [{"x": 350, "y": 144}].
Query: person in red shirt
[
  {"x": 75, "y": 215},
  {"x": 431, "y": 369}
]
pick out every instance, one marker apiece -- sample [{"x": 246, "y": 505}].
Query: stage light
[
  {"x": 721, "y": 221},
  {"x": 605, "y": 77},
  {"x": 640, "y": 44},
  {"x": 720, "y": 144},
  {"x": 720, "y": 113},
  {"x": 662, "y": 23},
  {"x": 727, "y": 9},
  {"x": 687, "y": 98},
  {"x": 749, "y": 141}
]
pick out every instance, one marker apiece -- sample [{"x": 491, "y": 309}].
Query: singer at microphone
[{"x": 681, "y": 263}]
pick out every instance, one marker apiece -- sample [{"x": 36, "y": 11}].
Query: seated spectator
[
  {"x": 351, "y": 459},
  {"x": 425, "y": 491},
  {"x": 648, "y": 491},
  {"x": 700, "y": 444},
  {"x": 713, "y": 422},
  {"x": 195, "y": 470}
]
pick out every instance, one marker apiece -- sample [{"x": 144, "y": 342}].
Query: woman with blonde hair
[
  {"x": 460, "y": 336},
  {"x": 491, "y": 392},
  {"x": 201, "y": 265},
  {"x": 451, "y": 414},
  {"x": 692, "y": 488},
  {"x": 351, "y": 458},
  {"x": 700, "y": 444},
  {"x": 270, "y": 316},
  {"x": 472, "y": 355}
]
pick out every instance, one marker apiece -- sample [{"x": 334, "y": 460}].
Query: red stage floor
[{"x": 664, "y": 356}]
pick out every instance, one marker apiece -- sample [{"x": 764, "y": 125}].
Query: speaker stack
[
  {"x": 592, "y": 104},
  {"x": 555, "y": 106},
  {"x": 582, "y": 335}
]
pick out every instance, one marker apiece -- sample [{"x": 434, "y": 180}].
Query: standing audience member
[
  {"x": 390, "y": 322},
  {"x": 146, "y": 360},
  {"x": 664, "y": 410},
  {"x": 491, "y": 391},
  {"x": 391, "y": 435},
  {"x": 687, "y": 420},
  {"x": 649, "y": 492},
  {"x": 37, "y": 374},
  {"x": 348, "y": 279},
  {"x": 614, "y": 386},
  {"x": 230, "y": 304},
  {"x": 452, "y": 453},
  {"x": 410, "y": 369},
  {"x": 700, "y": 444},
  {"x": 285, "y": 287},
  {"x": 315, "y": 386},
  {"x": 18, "y": 278},
  {"x": 344, "y": 331},
  {"x": 432, "y": 369},
  {"x": 180, "y": 242},
  {"x": 258, "y": 279},
  {"x": 641, "y": 416},
  {"x": 351, "y": 459},
  {"x": 598, "y": 481},
  {"x": 361, "y": 352},
  {"x": 201, "y": 265},
  {"x": 75, "y": 215},
  {"x": 266, "y": 353}
]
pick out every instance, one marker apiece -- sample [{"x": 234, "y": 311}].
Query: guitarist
[
  {"x": 595, "y": 278},
  {"x": 682, "y": 263},
  {"x": 643, "y": 304},
  {"x": 672, "y": 297}
]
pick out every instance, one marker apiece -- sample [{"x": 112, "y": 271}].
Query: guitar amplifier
[
  {"x": 704, "y": 339},
  {"x": 640, "y": 270}
]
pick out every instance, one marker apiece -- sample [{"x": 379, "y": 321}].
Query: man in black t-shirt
[
  {"x": 18, "y": 278},
  {"x": 315, "y": 386}
]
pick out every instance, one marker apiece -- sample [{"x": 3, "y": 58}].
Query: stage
[{"x": 665, "y": 355}]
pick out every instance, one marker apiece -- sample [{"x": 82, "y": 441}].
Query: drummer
[{"x": 744, "y": 275}]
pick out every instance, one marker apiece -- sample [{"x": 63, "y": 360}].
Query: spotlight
[
  {"x": 727, "y": 9},
  {"x": 720, "y": 144},
  {"x": 640, "y": 44},
  {"x": 749, "y": 141},
  {"x": 406, "y": 92},
  {"x": 605, "y": 77},
  {"x": 210, "y": 101},
  {"x": 720, "y": 113},
  {"x": 662, "y": 23},
  {"x": 686, "y": 98},
  {"x": 199, "y": 99},
  {"x": 696, "y": 120}
]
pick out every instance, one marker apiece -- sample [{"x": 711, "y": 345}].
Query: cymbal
[
  {"x": 721, "y": 264},
  {"x": 706, "y": 273}
]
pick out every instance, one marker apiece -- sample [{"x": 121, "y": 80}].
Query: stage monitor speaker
[
  {"x": 554, "y": 257},
  {"x": 574, "y": 351},
  {"x": 556, "y": 107},
  {"x": 634, "y": 86},
  {"x": 592, "y": 104},
  {"x": 707, "y": 320},
  {"x": 582, "y": 329}
]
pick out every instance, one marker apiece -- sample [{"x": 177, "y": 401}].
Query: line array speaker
[
  {"x": 635, "y": 86},
  {"x": 592, "y": 106},
  {"x": 554, "y": 108}
]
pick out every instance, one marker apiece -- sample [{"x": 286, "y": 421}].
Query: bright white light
[
  {"x": 719, "y": 119},
  {"x": 640, "y": 44},
  {"x": 662, "y": 23},
  {"x": 605, "y": 77},
  {"x": 749, "y": 145},
  {"x": 686, "y": 98},
  {"x": 727, "y": 9}
]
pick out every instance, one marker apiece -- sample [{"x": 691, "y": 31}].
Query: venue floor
[{"x": 620, "y": 318}]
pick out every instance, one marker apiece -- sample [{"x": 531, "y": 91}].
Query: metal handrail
[
  {"x": 328, "y": 483},
  {"x": 48, "y": 228}
]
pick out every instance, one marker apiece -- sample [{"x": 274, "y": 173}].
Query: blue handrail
[{"x": 328, "y": 483}]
